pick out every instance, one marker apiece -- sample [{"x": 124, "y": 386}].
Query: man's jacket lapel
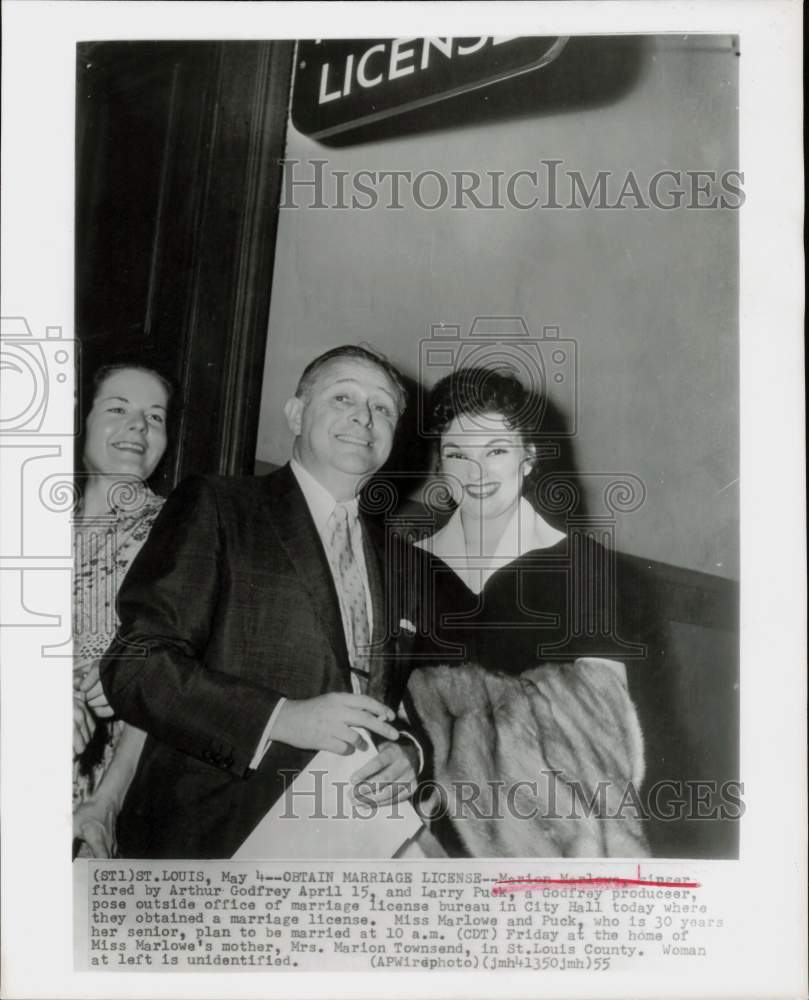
[{"x": 298, "y": 535}]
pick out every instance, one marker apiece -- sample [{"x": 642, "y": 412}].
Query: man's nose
[{"x": 364, "y": 415}]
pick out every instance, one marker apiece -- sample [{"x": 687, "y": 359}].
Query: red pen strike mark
[{"x": 508, "y": 885}]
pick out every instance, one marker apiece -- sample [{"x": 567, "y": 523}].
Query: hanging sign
[{"x": 340, "y": 85}]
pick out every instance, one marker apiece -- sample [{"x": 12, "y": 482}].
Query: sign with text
[{"x": 340, "y": 85}]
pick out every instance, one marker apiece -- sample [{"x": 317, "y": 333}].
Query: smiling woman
[
  {"x": 126, "y": 427},
  {"x": 518, "y": 673},
  {"x": 125, "y": 439}
]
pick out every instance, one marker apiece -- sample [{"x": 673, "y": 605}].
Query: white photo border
[{"x": 38, "y": 106}]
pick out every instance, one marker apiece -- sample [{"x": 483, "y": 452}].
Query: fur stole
[{"x": 538, "y": 764}]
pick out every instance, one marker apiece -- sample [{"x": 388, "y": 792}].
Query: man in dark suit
[{"x": 253, "y": 628}]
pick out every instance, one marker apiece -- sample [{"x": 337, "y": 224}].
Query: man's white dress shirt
[{"x": 321, "y": 504}]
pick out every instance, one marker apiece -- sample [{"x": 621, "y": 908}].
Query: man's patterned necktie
[{"x": 352, "y": 596}]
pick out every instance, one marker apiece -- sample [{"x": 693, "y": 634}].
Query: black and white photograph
[
  {"x": 444, "y": 369},
  {"x": 400, "y": 500}
]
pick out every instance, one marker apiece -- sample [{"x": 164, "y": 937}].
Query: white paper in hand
[{"x": 317, "y": 817}]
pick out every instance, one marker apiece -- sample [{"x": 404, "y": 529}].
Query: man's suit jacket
[{"x": 229, "y": 606}]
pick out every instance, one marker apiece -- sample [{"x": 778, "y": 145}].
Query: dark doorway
[{"x": 177, "y": 184}]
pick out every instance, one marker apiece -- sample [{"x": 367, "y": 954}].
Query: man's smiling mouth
[{"x": 350, "y": 439}]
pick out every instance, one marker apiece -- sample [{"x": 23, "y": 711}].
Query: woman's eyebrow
[{"x": 488, "y": 444}]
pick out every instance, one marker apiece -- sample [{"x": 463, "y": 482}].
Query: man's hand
[
  {"x": 325, "y": 722},
  {"x": 94, "y": 693},
  {"x": 390, "y": 777}
]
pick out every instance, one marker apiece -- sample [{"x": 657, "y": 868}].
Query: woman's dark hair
[
  {"x": 104, "y": 372},
  {"x": 474, "y": 391}
]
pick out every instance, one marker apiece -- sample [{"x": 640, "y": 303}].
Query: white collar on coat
[{"x": 525, "y": 532}]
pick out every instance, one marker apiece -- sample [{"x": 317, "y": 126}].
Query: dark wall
[{"x": 648, "y": 296}]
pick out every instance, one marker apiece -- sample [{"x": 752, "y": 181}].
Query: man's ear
[{"x": 293, "y": 411}]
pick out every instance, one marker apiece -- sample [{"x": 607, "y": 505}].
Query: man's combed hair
[
  {"x": 474, "y": 391},
  {"x": 356, "y": 353}
]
